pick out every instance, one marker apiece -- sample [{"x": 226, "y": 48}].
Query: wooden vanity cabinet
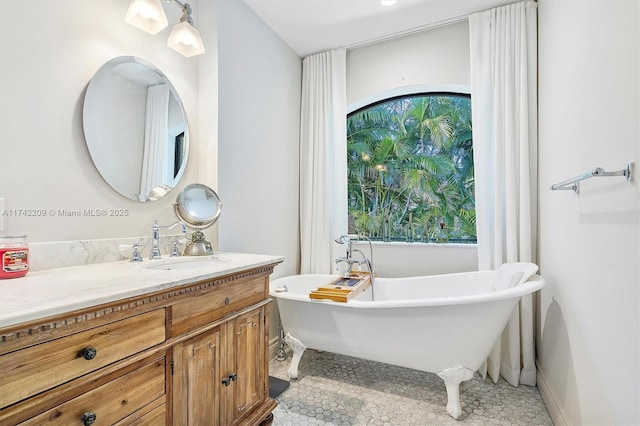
[
  {"x": 196, "y": 354},
  {"x": 220, "y": 374}
]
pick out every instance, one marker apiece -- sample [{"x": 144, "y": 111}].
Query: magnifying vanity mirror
[
  {"x": 135, "y": 128},
  {"x": 198, "y": 207}
]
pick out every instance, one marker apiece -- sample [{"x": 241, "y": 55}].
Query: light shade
[
  {"x": 147, "y": 15},
  {"x": 185, "y": 39}
]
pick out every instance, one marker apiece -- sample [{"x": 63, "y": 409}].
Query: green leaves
[{"x": 410, "y": 167}]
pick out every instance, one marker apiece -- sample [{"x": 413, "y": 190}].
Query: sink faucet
[{"x": 155, "y": 236}]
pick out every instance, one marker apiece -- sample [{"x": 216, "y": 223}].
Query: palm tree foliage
[{"x": 410, "y": 168}]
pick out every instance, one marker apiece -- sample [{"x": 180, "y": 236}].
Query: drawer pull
[
  {"x": 227, "y": 300},
  {"x": 227, "y": 380},
  {"x": 88, "y": 353},
  {"x": 88, "y": 419}
]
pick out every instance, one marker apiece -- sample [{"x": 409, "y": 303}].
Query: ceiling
[{"x": 312, "y": 26}]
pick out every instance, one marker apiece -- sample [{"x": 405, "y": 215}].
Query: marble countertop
[{"x": 41, "y": 294}]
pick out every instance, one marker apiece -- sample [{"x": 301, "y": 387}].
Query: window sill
[{"x": 418, "y": 244}]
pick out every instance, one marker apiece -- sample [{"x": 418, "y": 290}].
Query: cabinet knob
[
  {"x": 88, "y": 419},
  {"x": 88, "y": 353}
]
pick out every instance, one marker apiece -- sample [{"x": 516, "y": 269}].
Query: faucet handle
[
  {"x": 136, "y": 256},
  {"x": 175, "y": 252}
]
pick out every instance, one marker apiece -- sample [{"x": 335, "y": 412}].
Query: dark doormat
[{"x": 277, "y": 386}]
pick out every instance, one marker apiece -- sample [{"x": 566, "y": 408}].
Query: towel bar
[{"x": 574, "y": 182}]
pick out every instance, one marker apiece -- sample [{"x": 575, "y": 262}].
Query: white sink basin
[{"x": 187, "y": 263}]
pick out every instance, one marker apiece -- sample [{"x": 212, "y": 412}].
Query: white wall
[
  {"x": 259, "y": 101},
  {"x": 589, "y": 244},
  {"x": 415, "y": 259},
  {"x": 49, "y": 54},
  {"x": 436, "y": 57}
]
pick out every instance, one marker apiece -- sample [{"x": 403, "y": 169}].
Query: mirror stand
[
  {"x": 198, "y": 207},
  {"x": 198, "y": 246}
]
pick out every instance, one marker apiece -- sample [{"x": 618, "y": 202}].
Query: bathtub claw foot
[
  {"x": 452, "y": 378},
  {"x": 298, "y": 349}
]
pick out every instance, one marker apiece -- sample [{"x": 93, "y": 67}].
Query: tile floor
[{"x": 338, "y": 390}]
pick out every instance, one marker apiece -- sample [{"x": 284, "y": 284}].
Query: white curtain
[
  {"x": 323, "y": 160},
  {"x": 155, "y": 170},
  {"x": 504, "y": 107}
]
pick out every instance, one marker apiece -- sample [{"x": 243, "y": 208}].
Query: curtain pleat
[
  {"x": 323, "y": 160},
  {"x": 156, "y": 143},
  {"x": 504, "y": 111}
]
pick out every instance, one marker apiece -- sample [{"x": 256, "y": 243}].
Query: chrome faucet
[
  {"x": 155, "y": 237},
  {"x": 350, "y": 260}
]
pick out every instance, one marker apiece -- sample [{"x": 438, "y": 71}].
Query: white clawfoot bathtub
[{"x": 443, "y": 324}]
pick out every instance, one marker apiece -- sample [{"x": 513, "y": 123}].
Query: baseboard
[
  {"x": 273, "y": 347},
  {"x": 553, "y": 406}
]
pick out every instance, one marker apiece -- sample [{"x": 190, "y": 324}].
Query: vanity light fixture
[
  {"x": 184, "y": 37},
  {"x": 149, "y": 16},
  {"x": 146, "y": 15}
]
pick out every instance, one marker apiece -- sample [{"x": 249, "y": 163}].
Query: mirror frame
[{"x": 188, "y": 217}]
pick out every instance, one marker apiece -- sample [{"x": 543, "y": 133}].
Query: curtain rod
[
  {"x": 411, "y": 31},
  {"x": 416, "y": 30}
]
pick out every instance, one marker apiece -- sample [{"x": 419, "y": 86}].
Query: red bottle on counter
[{"x": 14, "y": 257}]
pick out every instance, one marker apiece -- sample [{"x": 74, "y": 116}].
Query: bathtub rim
[{"x": 535, "y": 283}]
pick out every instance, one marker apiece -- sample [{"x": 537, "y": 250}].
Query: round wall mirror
[
  {"x": 135, "y": 128},
  {"x": 198, "y": 207}
]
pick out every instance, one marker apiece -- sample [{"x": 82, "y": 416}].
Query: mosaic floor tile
[{"x": 339, "y": 390}]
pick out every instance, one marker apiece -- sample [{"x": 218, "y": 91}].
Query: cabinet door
[
  {"x": 197, "y": 379},
  {"x": 246, "y": 364}
]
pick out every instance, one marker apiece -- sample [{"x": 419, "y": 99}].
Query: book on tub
[{"x": 342, "y": 289}]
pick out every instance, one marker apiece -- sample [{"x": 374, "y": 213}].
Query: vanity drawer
[
  {"x": 37, "y": 368},
  {"x": 153, "y": 415},
  {"x": 113, "y": 401},
  {"x": 214, "y": 303}
]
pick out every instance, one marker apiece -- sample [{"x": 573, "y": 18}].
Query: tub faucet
[
  {"x": 350, "y": 260},
  {"x": 155, "y": 236}
]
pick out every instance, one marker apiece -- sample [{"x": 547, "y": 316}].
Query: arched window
[{"x": 410, "y": 169}]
